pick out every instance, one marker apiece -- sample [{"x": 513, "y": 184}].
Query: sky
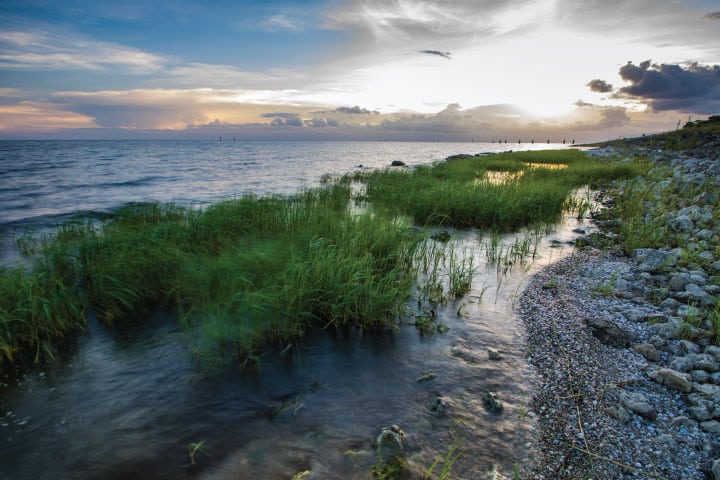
[{"x": 448, "y": 70}]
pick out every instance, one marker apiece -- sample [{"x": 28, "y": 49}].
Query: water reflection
[{"x": 135, "y": 404}]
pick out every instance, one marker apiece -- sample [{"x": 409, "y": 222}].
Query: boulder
[
  {"x": 668, "y": 330},
  {"x": 389, "y": 445},
  {"x": 675, "y": 380},
  {"x": 652, "y": 260},
  {"x": 648, "y": 351},
  {"x": 608, "y": 332},
  {"x": 638, "y": 403},
  {"x": 397, "y": 163}
]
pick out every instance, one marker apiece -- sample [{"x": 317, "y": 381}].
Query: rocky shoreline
[{"x": 625, "y": 345}]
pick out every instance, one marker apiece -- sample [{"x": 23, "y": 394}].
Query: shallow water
[{"x": 135, "y": 404}]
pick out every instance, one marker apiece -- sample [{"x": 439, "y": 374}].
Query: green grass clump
[
  {"x": 459, "y": 192},
  {"x": 241, "y": 273}
]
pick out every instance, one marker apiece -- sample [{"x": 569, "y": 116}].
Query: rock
[
  {"x": 652, "y": 260},
  {"x": 638, "y": 403},
  {"x": 493, "y": 354},
  {"x": 668, "y": 330},
  {"x": 707, "y": 389},
  {"x": 714, "y": 351},
  {"x": 686, "y": 346},
  {"x": 657, "y": 341},
  {"x": 438, "y": 405},
  {"x": 711, "y": 426},
  {"x": 654, "y": 318},
  {"x": 608, "y": 332},
  {"x": 397, "y": 163},
  {"x": 678, "y": 281},
  {"x": 681, "y": 224},
  {"x": 700, "y": 413},
  {"x": 442, "y": 236},
  {"x": 700, "y": 376},
  {"x": 716, "y": 469},
  {"x": 682, "y": 421},
  {"x": 648, "y": 351},
  {"x": 389, "y": 445},
  {"x": 426, "y": 378},
  {"x": 618, "y": 413},
  {"x": 705, "y": 361},
  {"x": 676, "y": 380},
  {"x": 682, "y": 364},
  {"x": 492, "y": 403},
  {"x": 715, "y": 378}
]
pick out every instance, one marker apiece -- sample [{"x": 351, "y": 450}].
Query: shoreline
[{"x": 623, "y": 392}]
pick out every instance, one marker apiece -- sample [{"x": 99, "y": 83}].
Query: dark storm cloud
[
  {"x": 695, "y": 88},
  {"x": 356, "y": 110},
  {"x": 600, "y": 86}
]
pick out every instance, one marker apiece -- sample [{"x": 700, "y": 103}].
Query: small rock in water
[
  {"x": 493, "y": 354},
  {"x": 397, "y": 163},
  {"x": 426, "y": 378},
  {"x": 492, "y": 403},
  {"x": 438, "y": 405}
]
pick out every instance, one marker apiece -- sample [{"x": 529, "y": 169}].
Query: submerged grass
[{"x": 254, "y": 270}]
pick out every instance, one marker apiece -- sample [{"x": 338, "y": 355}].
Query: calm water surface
[{"x": 135, "y": 404}]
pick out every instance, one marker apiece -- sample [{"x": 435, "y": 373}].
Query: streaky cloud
[{"x": 437, "y": 52}]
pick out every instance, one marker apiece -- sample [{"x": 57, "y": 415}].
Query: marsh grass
[
  {"x": 253, "y": 270},
  {"x": 453, "y": 193}
]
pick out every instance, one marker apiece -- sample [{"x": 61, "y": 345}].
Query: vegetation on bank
[
  {"x": 644, "y": 213},
  {"x": 254, "y": 270}
]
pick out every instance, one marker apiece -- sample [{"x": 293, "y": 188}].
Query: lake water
[{"x": 134, "y": 403}]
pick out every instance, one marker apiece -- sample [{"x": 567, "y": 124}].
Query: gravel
[{"x": 599, "y": 414}]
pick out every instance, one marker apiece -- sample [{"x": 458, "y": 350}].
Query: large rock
[
  {"x": 669, "y": 329},
  {"x": 653, "y": 260},
  {"x": 389, "y": 445},
  {"x": 638, "y": 403},
  {"x": 608, "y": 332},
  {"x": 649, "y": 351},
  {"x": 676, "y": 380},
  {"x": 716, "y": 469}
]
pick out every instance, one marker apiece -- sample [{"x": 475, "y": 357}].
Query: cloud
[
  {"x": 437, "y": 52},
  {"x": 712, "y": 15},
  {"x": 36, "y": 50},
  {"x": 600, "y": 86},
  {"x": 284, "y": 119},
  {"x": 693, "y": 88},
  {"x": 30, "y": 116},
  {"x": 356, "y": 110}
]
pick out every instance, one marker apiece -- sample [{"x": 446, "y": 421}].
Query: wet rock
[
  {"x": 648, "y": 351},
  {"x": 443, "y": 236},
  {"x": 492, "y": 403},
  {"x": 654, "y": 318},
  {"x": 676, "y": 380},
  {"x": 493, "y": 354},
  {"x": 608, "y": 332},
  {"x": 438, "y": 405},
  {"x": 397, "y": 163},
  {"x": 426, "y": 378},
  {"x": 716, "y": 469},
  {"x": 389, "y": 445}
]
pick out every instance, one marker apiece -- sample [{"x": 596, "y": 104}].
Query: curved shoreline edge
[{"x": 629, "y": 386}]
